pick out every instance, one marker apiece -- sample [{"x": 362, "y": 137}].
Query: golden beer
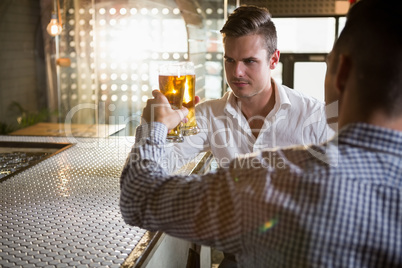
[
  {"x": 173, "y": 86},
  {"x": 190, "y": 128}
]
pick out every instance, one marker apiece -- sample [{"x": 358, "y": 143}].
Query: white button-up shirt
[{"x": 296, "y": 119}]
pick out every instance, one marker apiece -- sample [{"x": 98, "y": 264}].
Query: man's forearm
[{"x": 141, "y": 170}]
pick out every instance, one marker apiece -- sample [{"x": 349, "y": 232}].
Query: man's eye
[
  {"x": 249, "y": 61},
  {"x": 229, "y": 60}
]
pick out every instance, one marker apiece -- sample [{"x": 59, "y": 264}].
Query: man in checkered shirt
[{"x": 333, "y": 205}]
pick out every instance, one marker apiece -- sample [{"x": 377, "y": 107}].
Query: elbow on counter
[
  {"x": 133, "y": 216},
  {"x": 130, "y": 209},
  {"x": 130, "y": 199},
  {"x": 138, "y": 181}
]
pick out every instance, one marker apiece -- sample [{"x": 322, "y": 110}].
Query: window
[
  {"x": 301, "y": 35},
  {"x": 304, "y": 44}
]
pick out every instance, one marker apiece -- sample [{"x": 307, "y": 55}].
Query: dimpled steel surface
[{"x": 64, "y": 211}]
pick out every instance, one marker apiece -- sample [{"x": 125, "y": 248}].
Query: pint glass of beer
[
  {"x": 172, "y": 82},
  {"x": 190, "y": 128}
]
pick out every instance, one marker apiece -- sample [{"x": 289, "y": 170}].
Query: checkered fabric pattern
[{"x": 337, "y": 204}]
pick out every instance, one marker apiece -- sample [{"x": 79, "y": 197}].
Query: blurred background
[{"x": 100, "y": 64}]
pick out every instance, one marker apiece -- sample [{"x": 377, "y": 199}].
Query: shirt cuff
[
  {"x": 149, "y": 143},
  {"x": 153, "y": 134}
]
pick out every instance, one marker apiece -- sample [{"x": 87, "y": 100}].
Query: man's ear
[
  {"x": 343, "y": 72},
  {"x": 274, "y": 59}
]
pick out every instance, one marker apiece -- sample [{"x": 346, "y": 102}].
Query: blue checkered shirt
[{"x": 334, "y": 205}]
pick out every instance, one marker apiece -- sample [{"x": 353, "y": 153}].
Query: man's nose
[{"x": 238, "y": 69}]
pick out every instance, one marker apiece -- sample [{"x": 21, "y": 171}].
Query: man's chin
[{"x": 242, "y": 94}]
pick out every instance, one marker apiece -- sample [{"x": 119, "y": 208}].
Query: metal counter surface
[{"x": 64, "y": 211}]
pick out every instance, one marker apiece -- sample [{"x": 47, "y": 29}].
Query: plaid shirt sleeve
[
  {"x": 333, "y": 205},
  {"x": 202, "y": 209}
]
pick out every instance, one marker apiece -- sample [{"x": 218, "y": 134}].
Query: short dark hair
[
  {"x": 372, "y": 38},
  {"x": 247, "y": 20}
]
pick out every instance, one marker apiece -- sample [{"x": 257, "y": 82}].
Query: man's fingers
[
  {"x": 157, "y": 94},
  {"x": 196, "y": 99},
  {"x": 183, "y": 112},
  {"x": 159, "y": 98}
]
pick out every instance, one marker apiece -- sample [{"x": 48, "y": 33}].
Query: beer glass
[
  {"x": 172, "y": 82},
  {"x": 190, "y": 128}
]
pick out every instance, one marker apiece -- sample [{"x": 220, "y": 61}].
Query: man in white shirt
[{"x": 257, "y": 113}]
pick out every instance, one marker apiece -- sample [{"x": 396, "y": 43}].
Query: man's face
[{"x": 248, "y": 70}]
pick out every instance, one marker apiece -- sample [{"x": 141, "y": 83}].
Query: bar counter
[{"x": 64, "y": 210}]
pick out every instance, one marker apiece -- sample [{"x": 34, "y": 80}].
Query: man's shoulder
[
  {"x": 302, "y": 100},
  {"x": 288, "y": 157},
  {"x": 299, "y": 95}
]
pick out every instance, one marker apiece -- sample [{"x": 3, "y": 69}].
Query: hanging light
[{"x": 54, "y": 27}]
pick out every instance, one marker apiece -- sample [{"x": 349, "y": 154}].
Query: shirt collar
[
  {"x": 281, "y": 100},
  {"x": 231, "y": 104}
]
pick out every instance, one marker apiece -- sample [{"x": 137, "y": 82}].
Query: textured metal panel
[
  {"x": 295, "y": 7},
  {"x": 64, "y": 211}
]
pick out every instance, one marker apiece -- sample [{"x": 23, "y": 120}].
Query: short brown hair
[
  {"x": 246, "y": 20},
  {"x": 372, "y": 37}
]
